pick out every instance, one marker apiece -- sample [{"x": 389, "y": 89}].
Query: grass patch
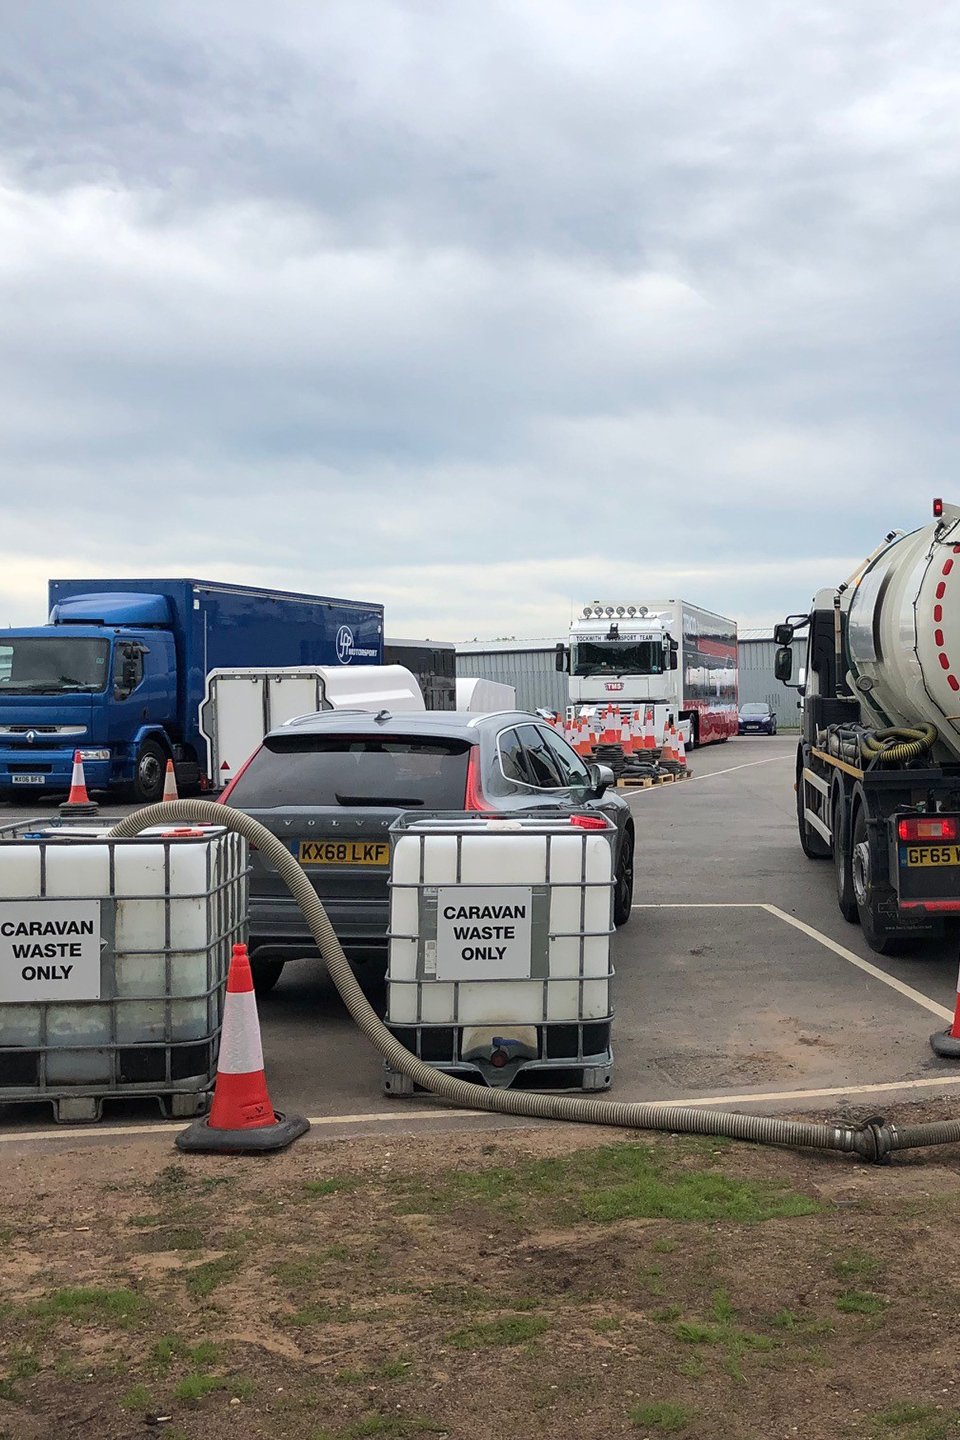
[
  {"x": 907, "y": 1414},
  {"x": 170, "y": 1350},
  {"x": 606, "y": 1324},
  {"x": 691, "y": 1332},
  {"x": 858, "y": 1263},
  {"x": 509, "y": 1330},
  {"x": 89, "y": 1304},
  {"x": 395, "y": 1427},
  {"x": 610, "y": 1183},
  {"x": 860, "y": 1302},
  {"x": 138, "y": 1398},
  {"x": 322, "y": 1315},
  {"x": 180, "y": 1238},
  {"x": 314, "y": 1188},
  {"x": 203, "y": 1279},
  {"x": 192, "y": 1388},
  {"x": 662, "y": 1415}
]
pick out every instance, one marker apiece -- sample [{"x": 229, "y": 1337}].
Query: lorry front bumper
[{"x": 24, "y": 771}]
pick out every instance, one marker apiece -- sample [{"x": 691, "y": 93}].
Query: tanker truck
[{"x": 878, "y": 765}]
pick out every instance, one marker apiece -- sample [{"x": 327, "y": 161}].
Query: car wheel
[
  {"x": 149, "y": 774},
  {"x": 266, "y": 973},
  {"x": 623, "y": 881}
]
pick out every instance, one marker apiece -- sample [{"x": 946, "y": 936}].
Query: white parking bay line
[
  {"x": 112, "y": 1132},
  {"x": 747, "y": 765},
  {"x": 915, "y": 995},
  {"x": 934, "y": 1083}
]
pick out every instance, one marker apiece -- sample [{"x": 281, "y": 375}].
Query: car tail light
[
  {"x": 473, "y": 796},
  {"x": 225, "y": 794},
  {"x": 589, "y": 822},
  {"x": 940, "y": 827}
]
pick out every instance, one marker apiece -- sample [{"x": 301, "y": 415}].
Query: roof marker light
[{"x": 938, "y": 509}]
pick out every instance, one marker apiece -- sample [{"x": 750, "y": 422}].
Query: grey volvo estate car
[{"x": 331, "y": 784}]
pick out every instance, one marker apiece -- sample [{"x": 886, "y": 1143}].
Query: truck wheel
[
  {"x": 846, "y": 899},
  {"x": 623, "y": 882},
  {"x": 813, "y": 845},
  {"x": 265, "y": 973},
  {"x": 149, "y": 774},
  {"x": 880, "y": 940}
]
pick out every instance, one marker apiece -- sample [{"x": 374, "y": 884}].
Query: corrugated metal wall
[
  {"x": 758, "y": 682},
  {"x": 539, "y": 685},
  {"x": 532, "y": 673}
]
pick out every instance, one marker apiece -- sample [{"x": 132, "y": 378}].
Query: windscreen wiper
[{"x": 395, "y": 802}]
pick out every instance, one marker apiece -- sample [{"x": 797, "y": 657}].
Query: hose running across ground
[{"x": 873, "y": 1141}]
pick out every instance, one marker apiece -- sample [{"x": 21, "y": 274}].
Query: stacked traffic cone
[
  {"x": 626, "y": 734},
  {"x": 610, "y": 732},
  {"x": 649, "y": 733},
  {"x": 78, "y": 802},
  {"x": 170, "y": 783},
  {"x": 241, "y": 1117},
  {"x": 668, "y": 754},
  {"x": 681, "y": 753}
]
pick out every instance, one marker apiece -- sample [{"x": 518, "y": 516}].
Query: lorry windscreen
[
  {"x": 37, "y": 665},
  {"x": 609, "y": 657}
]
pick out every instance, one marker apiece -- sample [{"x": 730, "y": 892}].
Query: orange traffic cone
[
  {"x": 241, "y": 1117},
  {"x": 78, "y": 802},
  {"x": 947, "y": 1042},
  {"x": 170, "y": 783},
  {"x": 681, "y": 752},
  {"x": 626, "y": 741},
  {"x": 649, "y": 734},
  {"x": 610, "y": 733},
  {"x": 668, "y": 754}
]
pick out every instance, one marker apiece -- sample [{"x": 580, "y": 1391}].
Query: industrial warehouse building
[{"x": 530, "y": 667}]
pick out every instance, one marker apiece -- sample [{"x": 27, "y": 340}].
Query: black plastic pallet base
[
  {"x": 200, "y": 1137},
  {"x": 944, "y": 1044}
]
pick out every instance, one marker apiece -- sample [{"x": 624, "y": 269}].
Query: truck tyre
[
  {"x": 880, "y": 940},
  {"x": 623, "y": 882},
  {"x": 846, "y": 899},
  {"x": 813, "y": 845},
  {"x": 265, "y": 973},
  {"x": 149, "y": 773}
]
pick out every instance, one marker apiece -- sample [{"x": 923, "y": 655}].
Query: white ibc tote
[
  {"x": 499, "y": 960},
  {"x": 146, "y": 927}
]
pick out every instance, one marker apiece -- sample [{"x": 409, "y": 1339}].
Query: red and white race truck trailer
[{"x": 668, "y": 655}]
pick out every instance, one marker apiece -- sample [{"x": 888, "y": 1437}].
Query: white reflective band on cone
[{"x": 240, "y": 1050}]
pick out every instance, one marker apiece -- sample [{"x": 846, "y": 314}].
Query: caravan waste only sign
[
  {"x": 483, "y": 932},
  {"x": 49, "y": 950}
]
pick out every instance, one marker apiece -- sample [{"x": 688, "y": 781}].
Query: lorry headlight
[{"x": 94, "y": 754}]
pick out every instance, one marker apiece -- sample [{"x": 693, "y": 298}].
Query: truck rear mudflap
[{"x": 926, "y": 865}]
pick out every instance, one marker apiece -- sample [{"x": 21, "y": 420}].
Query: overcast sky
[{"x": 479, "y": 308}]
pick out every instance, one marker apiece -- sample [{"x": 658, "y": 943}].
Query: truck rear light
[
  {"x": 940, "y": 827},
  {"x": 938, "y": 509},
  {"x": 473, "y": 795}
]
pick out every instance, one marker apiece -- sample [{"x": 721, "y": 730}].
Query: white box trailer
[
  {"x": 484, "y": 696},
  {"x": 242, "y": 705}
]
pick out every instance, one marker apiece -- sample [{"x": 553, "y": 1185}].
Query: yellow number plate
[
  {"x": 933, "y": 855},
  {"x": 344, "y": 852}
]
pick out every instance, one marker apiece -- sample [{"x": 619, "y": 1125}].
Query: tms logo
[
  {"x": 614, "y": 685},
  {"x": 344, "y": 644}
]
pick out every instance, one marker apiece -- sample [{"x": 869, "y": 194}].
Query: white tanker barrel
[{"x": 903, "y": 633}]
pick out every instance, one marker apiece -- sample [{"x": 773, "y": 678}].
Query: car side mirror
[
  {"x": 783, "y": 664},
  {"x": 601, "y": 778}
]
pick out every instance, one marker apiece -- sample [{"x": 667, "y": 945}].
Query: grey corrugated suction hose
[{"x": 874, "y": 1141}]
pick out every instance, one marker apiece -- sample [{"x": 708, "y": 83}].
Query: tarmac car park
[{"x": 331, "y": 784}]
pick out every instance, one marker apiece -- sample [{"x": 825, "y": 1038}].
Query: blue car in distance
[{"x": 756, "y": 718}]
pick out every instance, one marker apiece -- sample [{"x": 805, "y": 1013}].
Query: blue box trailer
[{"x": 119, "y": 672}]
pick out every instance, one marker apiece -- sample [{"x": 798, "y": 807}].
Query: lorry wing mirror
[
  {"x": 783, "y": 634},
  {"x": 563, "y": 657},
  {"x": 783, "y": 664}
]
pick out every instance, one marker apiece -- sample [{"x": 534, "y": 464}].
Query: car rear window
[{"x": 349, "y": 771}]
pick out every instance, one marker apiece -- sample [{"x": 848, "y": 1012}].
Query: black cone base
[{"x": 199, "y": 1137}]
